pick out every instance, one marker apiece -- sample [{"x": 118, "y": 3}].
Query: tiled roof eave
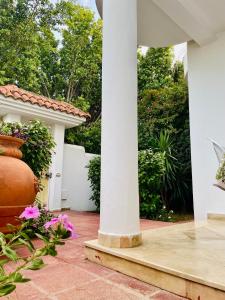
[{"x": 21, "y": 95}]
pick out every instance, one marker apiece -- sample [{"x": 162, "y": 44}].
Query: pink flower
[
  {"x": 63, "y": 218},
  {"x": 30, "y": 213},
  {"x": 52, "y": 222},
  {"x": 69, "y": 227}
]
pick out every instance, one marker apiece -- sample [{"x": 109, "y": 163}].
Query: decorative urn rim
[
  {"x": 14, "y": 139},
  {"x": 10, "y": 146}
]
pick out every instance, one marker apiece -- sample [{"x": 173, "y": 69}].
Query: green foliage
[
  {"x": 164, "y": 126},
  {"x": 94, "y": 172},
  {"x": 220, "y": 175},
  {"x": 37, "y": 151},
  {"x": 38, "y": 146},
  {"x": 88, "y": 136},
  {"x": 16, "y": 130},
  {"x": 33, "y": 58},
  {"x": 35, "y": 226},
  {"x": 151, "y": 171},
  {"x": 33, "y": 261},
  {"x": 154, "y": 69},
  {"x": 21, "y": 24}
]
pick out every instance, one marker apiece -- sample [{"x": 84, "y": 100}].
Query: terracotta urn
[{"x": 18, "y": 184}]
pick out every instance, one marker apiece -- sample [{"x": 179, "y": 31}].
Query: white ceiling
[{"x": 170, "y": 22}]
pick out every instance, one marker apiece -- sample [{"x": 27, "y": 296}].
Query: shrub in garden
[
  {"x": 57, "y": 230},
  {"x": 38, "y": 146},
  {"x": 37, "y": 151},
  {"x": 16, "y": 130},
  {"x": 151, "y": 172},
  {"x": 94, "y": 173},
  {"x": 166, "y": 110}
]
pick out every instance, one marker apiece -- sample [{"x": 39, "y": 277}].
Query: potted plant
[{"x": 18, "y": 184}]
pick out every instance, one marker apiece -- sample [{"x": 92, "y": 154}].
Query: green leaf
[
  {"x": 42, "y": 237},
  {"x": 36, "y": 264},
  {"x": 17, "y": 277},
  {"x": 27, "y": 243},
  {"x": 3, "y": 262},
  {"x": 7, "y": 289},
  {"x": 11, "y": 227},
  {"x": 9, "y": 253}
]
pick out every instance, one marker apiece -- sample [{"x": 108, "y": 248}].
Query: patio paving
[{"x": 69, "y": 276}]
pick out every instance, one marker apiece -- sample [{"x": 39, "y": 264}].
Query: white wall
[
  {"x": 206, "y": 76},
  {"x": 75, "y": 179},
  {"x": 55, "y": 182}
]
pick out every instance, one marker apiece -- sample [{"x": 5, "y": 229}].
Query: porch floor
[
  {"x": 69, "y": 276},
  {"x": 186, "y": 259}
]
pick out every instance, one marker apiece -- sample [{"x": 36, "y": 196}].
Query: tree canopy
[{"x": 52, "y": 49}]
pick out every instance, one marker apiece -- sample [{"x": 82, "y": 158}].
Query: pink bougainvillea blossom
[{"x": 30, "y": 212}]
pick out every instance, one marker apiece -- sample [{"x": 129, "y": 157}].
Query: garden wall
[{"x": 76, "y": 189}]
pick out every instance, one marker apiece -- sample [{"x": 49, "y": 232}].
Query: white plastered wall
[
  {"x": 206, "y": 77},
  {"x": 75, "y": 184}
]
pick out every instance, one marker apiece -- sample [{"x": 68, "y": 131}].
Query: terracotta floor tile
[
  {"x": 99, "y": 290},
  {"x": 94, "y": 268},
  {"x": 70, "y": 276},
  {"x": 166, "y": 296},
  {"x": 26, "y": 291},
  {"x": 60, "y": 277},
  {"x": 132, "y": 283}
]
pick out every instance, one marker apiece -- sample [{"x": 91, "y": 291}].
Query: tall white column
[
  {"x": 119, "y": 220},
  {"x": 56, "y": 169}
]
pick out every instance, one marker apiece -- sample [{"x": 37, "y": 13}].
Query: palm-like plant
[{"x": 174, "y": 186}]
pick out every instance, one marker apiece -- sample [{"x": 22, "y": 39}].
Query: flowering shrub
[
  {"x": 39, "y": 143},
  {"x": 37, "y": 151},
  {"x": 37, "y": 225},
  {"x": 17, "y": 130},
  {"x": 57, "y": 229}
]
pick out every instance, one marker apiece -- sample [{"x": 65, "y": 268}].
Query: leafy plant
[
  {"x": 39, "y": 143},
  {"x": 220, "y": 175},
  {"x": 94, "y": 170},
  {"x": 164, "y": 126},
  {"x": 37, "y": 151},
  {"x": 38, "y": 225},
  {"x": 58, "y": 228},
  {"x": 151, "y": 171},
  {"x": 17, "y": 130}
]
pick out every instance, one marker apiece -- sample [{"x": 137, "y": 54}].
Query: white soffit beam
[{"x": 190, "y": 18}]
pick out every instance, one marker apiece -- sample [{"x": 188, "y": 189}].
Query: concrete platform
[{"x": 185, "y": 259}]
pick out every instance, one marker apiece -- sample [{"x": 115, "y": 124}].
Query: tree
[
  {"x": 80, "y": 57},
  {"x": 21, "y": 23},
  {"x": 154, "y": 69}
]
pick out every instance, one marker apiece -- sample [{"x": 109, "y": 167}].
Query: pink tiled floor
[{"x": 70, "y": 277}]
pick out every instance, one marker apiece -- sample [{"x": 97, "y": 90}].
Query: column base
[{"x": 119, "y": 241}]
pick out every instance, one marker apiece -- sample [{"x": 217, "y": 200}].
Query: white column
[
  {"x": 56, "y": 169},
  {"x": 10, "y": 118},
  {"x": 119, "y": 221}
]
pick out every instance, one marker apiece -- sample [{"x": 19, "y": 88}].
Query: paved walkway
[{"x": 70, "y": 277}]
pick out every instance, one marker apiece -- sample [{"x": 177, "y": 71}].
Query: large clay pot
[{"x": 18, "y": 185}]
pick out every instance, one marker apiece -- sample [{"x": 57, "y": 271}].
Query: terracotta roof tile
[{"x": 16, "y": 93}]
